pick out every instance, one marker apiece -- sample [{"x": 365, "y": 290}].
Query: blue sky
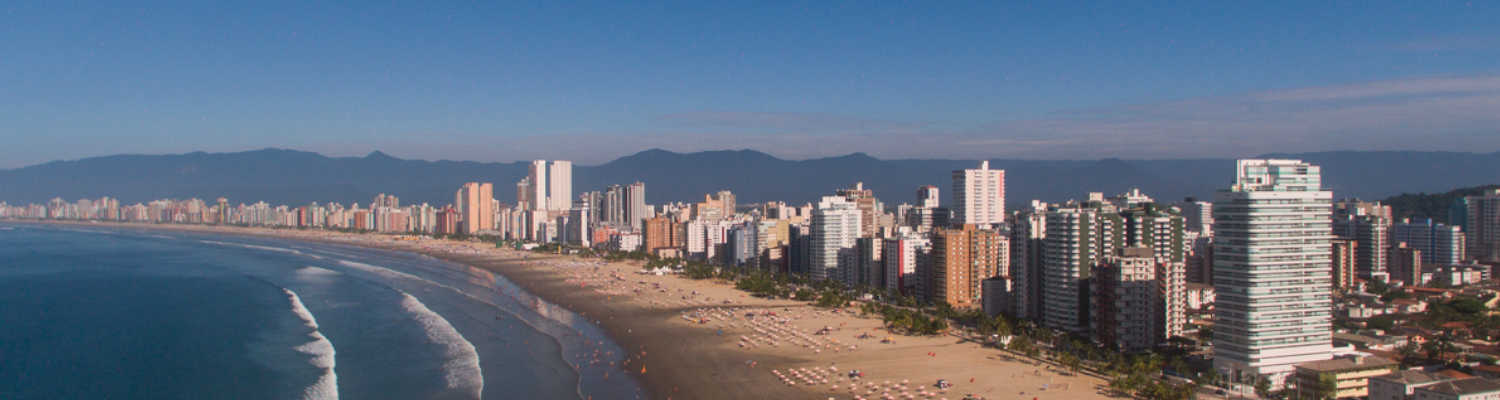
[{"x": 591, "y": 81}]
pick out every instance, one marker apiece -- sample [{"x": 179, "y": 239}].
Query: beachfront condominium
[
  {"x": 1439, "y": 243},
  {"x": 835, "y": 226},
  {"x": 962, "y": 258},
  {"x": 1027, "y": 231},
  {"x": 1272, "y": 263},
  {"x": 536, "y": 194},
  {"x": 1482, "y": 225},
  {"x": 979, "y": 195},
  {"x": 635, "y": 205},
  {"x": 902, "y": 254},
  {"x": 1078, "y": 237},
  {"x": 475, "y": 207},
  {"x": 1126, "y": 297},
  {"x": 560, "y": 185}
]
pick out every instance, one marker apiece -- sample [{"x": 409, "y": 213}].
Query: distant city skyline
[{"x": 503, "y": 83}]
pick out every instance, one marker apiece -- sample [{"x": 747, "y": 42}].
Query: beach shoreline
[{"x": 672, "y": 357}]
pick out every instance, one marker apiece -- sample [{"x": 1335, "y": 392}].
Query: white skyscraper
[
  {"x": 538, "y": 176},
  {"x": 835, "y": 226},
  {"x": 560, "y": 185},
  {"x": 979, "y": 195},
  {"x": 1272, "y": 270}
]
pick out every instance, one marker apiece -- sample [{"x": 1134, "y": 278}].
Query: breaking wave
[
  {"x": 461, "y": 370},
  {"x": 319, "y": 350}
]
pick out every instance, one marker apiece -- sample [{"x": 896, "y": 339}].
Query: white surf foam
[
  {"x": 317, "y": 271},
  {"x": 319, "y": 349},
  {"x": 461, "y": 370},
  {"x": 252, "y": 246}
]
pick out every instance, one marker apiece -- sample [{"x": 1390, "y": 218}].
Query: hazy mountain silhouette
[{"x": 296, "y": 177}]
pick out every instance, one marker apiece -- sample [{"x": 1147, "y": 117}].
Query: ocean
[{"x": 121, "y": 313}]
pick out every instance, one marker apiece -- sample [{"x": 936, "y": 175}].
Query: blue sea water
[{"x": 119, "y": 313}]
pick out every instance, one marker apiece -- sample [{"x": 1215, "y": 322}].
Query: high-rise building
[
  {"x": 1199, "y": 215},
  {"x": 1406, "y": 264},
  {"x": 475, "y": 207},
  {"x": 1370, "y": 225},
  {"x": 1126, "y": 300},
  {"x": 1078, "y": 237},
  {"x": 660, "y": 233},
  {"x": 1438, "y": 243},
  {"x": 902, "y": 253},
  {"x": 927, "y": 196},
  {"x": 962, "y": 258},
  {"x": 1271, "y": 270},
  {"x": 634, "y": 204},
  {"x": 979, "y": 195},
  {"x": 1027, "y": 230},
  {"x": 1171, "y": 301},
  {"x": 835, "y": 226},
  {"x": 870, "y": 268},
  {"x": 870, "y": 208},
  {"x": 1482, "y": 226},
  {"x": 537, "y": 187},
  {"x": 1343, "y": 264},
  {"x": 560, "y": 185},
  {"x": 524, "y": 193}
]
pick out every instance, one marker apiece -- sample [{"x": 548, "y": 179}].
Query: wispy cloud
[
  {"x": 1450, "y": 113},
  {"x": 1454, "y": 113},
  {"x": 820, "y": 123},
  {"x": 1445, "y": 43}
]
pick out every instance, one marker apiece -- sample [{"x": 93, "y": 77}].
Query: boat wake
[
  {"x": 319, "y": 350},
  {"x": 461, "y": 371}
]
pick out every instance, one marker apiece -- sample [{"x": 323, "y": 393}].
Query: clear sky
[{"x": 591, "y": 81}]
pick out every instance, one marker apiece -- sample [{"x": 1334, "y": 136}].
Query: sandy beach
[{"x": 694, "y": 339}]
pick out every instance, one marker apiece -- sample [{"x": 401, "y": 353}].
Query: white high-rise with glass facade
[
  {"x": 979, "y": 195},
  {"x": 1272, "y": 263}
]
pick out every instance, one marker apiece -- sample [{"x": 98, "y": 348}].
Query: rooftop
[
  {"x": 1413, "y": 377},
  {"x": 1464, "y": 386},
  {"x": 1346, "y": 364}
]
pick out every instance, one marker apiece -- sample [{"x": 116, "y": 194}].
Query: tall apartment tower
[
  {"x": 1343, "y": 264},
  {"x": 635, "y": 204},
  {"x": 979, "y": 195},
  {"x": 835, "y": 226},
  {"x": 537, "y": 190},
  {"x": 476, "y": 207},
  {"x": 1027, "y": 231},
  {"x": 902, "y": 253},
  {"x": 560, "y": 186},
  {"x": 1370, "y": 225},
  {"x": 1200, "y": 216},
  {"x": 523, "y": 194},
  {"x": 962, "y": 258},
  {"x": 1126, "y": 300},
  {"x": 927, "y": 196},
  {"x": 1439, "y": 243},
  {"x": 870, "y": 207},
  {"x": 1482, "y": 226},
  {"x": 1271, "y": 270},
  {"x": 1078, "y": 238}
]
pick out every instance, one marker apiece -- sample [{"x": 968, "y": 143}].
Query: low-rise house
[
  {"x": 1402, "y": 385},
  {"x": 1339, "y": 378},
  {"x": 1461, "y": 389}
]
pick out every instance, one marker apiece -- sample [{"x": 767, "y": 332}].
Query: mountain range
[{"x": 280, "y": 176}]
